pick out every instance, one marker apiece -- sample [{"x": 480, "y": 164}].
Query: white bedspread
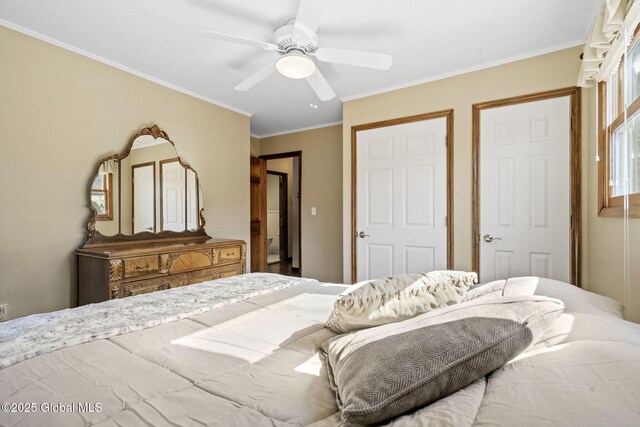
[
  {"x": 255, "y": 363},
  {"x": 31, "y": 336}
]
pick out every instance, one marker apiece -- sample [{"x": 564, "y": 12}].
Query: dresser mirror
[{"x": 146, "y": 193}]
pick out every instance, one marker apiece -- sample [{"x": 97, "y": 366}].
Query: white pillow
[
  {"x": 396, "y": 298},
  {"x": 513, "y": 286}
]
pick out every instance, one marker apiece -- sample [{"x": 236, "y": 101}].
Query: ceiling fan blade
[
  {"x": 320, "y": 86},
  {"x": 236, "y": 39},
  {"x": 310, "y": 15},
  {"x": 256, "y": 77},
  {"x": 378, "y": 61}
]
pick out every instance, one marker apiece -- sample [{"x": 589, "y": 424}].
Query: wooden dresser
[{"x": 118, "y": 271}]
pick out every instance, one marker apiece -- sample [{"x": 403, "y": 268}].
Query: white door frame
[
  {"x": 574, "y": 173},
  {"x": 448, "y": 115}
]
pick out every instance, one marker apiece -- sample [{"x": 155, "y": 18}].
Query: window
[
  {"x": 101, "y": 196},
  {"x": 619, "y": 125}
]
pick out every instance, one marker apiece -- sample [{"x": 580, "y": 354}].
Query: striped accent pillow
[{"x": 396, "y": 298}]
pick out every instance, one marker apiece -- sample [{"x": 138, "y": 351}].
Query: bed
[{"x": 243, "y": 351}]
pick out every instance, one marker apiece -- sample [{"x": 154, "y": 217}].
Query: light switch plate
[{"x": 313, "y": 211}]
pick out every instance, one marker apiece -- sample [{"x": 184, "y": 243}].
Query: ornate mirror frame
[{"x": 95, "y": 238}]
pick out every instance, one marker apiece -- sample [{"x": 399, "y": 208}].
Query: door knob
[
  {"x": 362, "y": 235},
  {"x": 489, "y": 238}
]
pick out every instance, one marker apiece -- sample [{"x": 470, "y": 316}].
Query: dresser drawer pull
[{"x": 142, "y": 267}]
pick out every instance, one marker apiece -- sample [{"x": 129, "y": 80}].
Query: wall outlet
[{"x": 3, "y": 312}]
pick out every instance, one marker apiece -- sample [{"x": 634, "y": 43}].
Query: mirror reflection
[{"x": 149, "y": 190}]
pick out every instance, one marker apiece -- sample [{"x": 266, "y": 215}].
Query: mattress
[{"x": 254, "y": 361}]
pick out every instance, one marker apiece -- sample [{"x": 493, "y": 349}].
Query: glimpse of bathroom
[{"x": 283, "y": 197}]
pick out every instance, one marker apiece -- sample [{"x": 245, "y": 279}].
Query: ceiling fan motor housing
[{"x": 286, "y": 41}]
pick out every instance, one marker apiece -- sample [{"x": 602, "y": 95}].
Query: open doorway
[
  {"x": 283, "y": 216},
  {"x": 277, "y": 217}
]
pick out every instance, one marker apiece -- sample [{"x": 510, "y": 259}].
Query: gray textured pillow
[
  {"x": 396, "y": 298},
  {"x": 382, "y": 372}
]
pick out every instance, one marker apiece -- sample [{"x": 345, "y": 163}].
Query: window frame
[
  {"x": 613, "y": 206},
  {"x": 107, "y": 189}
]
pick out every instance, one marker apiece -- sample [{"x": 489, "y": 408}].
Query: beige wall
[
  {"x": 59, "y": 114},
  {"x": 321, "y": 188},
  {"x": 541, "y": 73},
  {"x": 59, "y": 108},
  {"x": 605, "y": 253},
  {"x": 255, "y": 147},
  {"x": 602, "y": 238}
]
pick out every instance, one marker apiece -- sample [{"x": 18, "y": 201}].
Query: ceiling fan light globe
[{"x": 295, "y": 65}]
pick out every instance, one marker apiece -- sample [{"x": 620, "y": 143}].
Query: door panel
[
  {"x": 380, "y": 196},
  {"x": 419, "y": 259},
  {"x": 504, "y": 192},
  {"x": 539, "y": 264},
  {"x": 258, "y": 208},
  {"x": 539, "y": 195},
  {"x": 524, "y": 190},
  {"x": 401, "y": 199},
  {"x": 379, "y": 260},
  {"x": 503, "y": 264},
  {"x": 420, "y": 196}
]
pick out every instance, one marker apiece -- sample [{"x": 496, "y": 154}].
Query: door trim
[
  {"x": 297, "y": 154},
  {"x": 448, "y": 114},
  {"x": 575, "y": 187}
]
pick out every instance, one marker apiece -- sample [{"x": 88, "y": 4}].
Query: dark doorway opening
[{"x": 283, "y": 240}]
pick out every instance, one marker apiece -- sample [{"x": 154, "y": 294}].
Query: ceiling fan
[{"x": 297, "y": 44}]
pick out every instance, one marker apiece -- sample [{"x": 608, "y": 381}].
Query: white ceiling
[{"x": 427, "y": 39}]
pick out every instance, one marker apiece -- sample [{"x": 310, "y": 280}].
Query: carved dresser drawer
[
  {"x": 190, "y": 260},
  {"x": 231, "y": 254},
  {"x": 229, "y": 270},
  {"x": 140, "y": 266},
  {"x": 179, "y": 280},
  {"x": 117, "y": 272},
  {"x": 144, "y": 287}
]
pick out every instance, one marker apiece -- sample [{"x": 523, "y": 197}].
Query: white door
[
  {"x": 173, "y": 196},
  {"x": 524, "y": 190},
  {"x": 143, "y": 198},
  {"x": 401, "y": 199}
]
